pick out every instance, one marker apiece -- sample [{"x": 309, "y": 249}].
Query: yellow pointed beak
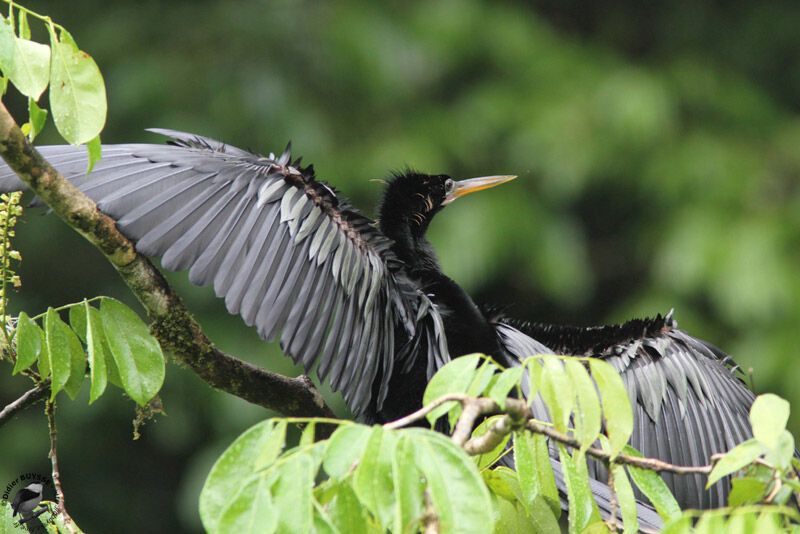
[{"x": 475, "y": 184}]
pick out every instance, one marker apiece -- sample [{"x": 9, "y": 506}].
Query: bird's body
[
  {"x": 27, "y": 499},
  {"x": 369, "y": 303}
]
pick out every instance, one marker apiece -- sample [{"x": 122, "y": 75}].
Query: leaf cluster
[
  {"x": 112, "y": 338},
  {"x": 380, "y": 479},
  {"x": 77, "y": 92}
]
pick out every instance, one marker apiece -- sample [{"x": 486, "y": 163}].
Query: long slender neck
[
  {"x": 410, "y": 242},
  {"x": 466, "y": 327}
]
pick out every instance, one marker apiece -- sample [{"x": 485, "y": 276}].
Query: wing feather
[
  {"x": 287, "y": 253},
  {"x": 687, "y": 402}
]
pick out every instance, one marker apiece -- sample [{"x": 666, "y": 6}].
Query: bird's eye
[{"x": 449, "y": 185}]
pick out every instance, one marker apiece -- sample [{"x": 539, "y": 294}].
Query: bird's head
[
  {"x": 36, "y": 487},
  {"x": 412, "y": 198}
]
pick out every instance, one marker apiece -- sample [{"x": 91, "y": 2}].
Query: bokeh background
[{"x": 658, "y": 148}]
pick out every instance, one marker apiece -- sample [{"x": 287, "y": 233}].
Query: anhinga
[{"x": 368, "y": 304}]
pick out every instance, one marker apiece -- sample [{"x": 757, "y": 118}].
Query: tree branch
[
  {"x": 29, "y": 398},
  {"x": 175, "y": 328},
  {"x": 517, "y": 414}
]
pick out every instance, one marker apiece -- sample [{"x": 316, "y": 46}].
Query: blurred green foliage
[{"x": 657, "y": 148}]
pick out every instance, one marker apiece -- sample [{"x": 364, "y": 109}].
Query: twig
[
  {"x": 519, "y": 414},
  {"x": 425, "y": 410},
  {"x": 471, "y": 410},
  {"x": 175, "y": 328},
  {"x": 498, "y": 430},
  {"x": 652, "y": 464},
  {"x": 29, "y": 398},
  {"x": 51, "y": 421},
  {"x": 612, "y": 518}
]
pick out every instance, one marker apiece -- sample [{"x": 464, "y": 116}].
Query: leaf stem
[{"x": 43, "y": 18}]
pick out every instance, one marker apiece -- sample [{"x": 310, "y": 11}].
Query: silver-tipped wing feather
[{"x": 288, "y": 254}]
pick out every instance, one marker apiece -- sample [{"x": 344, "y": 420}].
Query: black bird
[
  {"x": 368, "y": 302},
  {"x": 26, "y": 500}
]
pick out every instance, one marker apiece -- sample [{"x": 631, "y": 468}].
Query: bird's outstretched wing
[
  {"x": 287, "y": 253},
  {"x": 688, "y": 403}
]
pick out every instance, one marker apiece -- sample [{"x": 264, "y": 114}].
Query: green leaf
[
  {"x": 556, "y": 390},
  {"x": 29, "y": 342},
  {"x": 66, "y": 38},
  {"x": 532, "y": 459},
  {"x": 408, "y": 486},
  {"x": 504, "y": 483},
  {"x": 345, "y": 447},
  {"x": 540, "y": 517},
  {"x": 373, "y": 481},
  {"x": 25, "y": 63},
  {"x": 769, "y": 415},
  {"x": 322, "y": 523},
  {"x": 534, "y": 367},
  {"x": 482, "y": 378},
  {"x": 587, "y": 415},
  {"x": 95, "y": 349},
  {"x": 741, "y": 523},
  {"x": 272, "y": 446},
  {"x": 582, "y": 508},
  {"x": 77, "y": 93},
  {"x": 455, "y": 377},
  {"x": 77, "y": 370},
  {"x": 488, "y": 458},
  {"x": 58, "y": 351},
  {"x": 38, "y": 117},
  {"x": 292, "y": 492},
  {"x": 781, "y": 456},
  {"x": 346, "y": 512},
  {"x": 510, "y": 517},
  {"x": 137, "y": 353},
  {"x": 309, "y": 434},
  {"x": 44, "y": 357},
  {"x": 767, "y": 522},
  {"x": 527, "y": 467},
  {"x": 504, "y": 382},
  {"x": 459, "y": 496},
  {"x": 740, "y": 456},
  {"x": 711, "y": 524},
  {"x": 251, "y": 510},
  {"x": 513, "y": 519},
  {"x": 24, "y": 29},
  {"x": 626, "y": 498},
  {"x": 653, "y": 486},
  {"x": 616, "y": 404},
  {"x": 77, "y": 319},
  {"x": 678, "y": 525},
  {"x": 236, "y": 465},
  {"x": 746, "y": 491},
  {"x": 95, "y": 153},
  {"x": 98, "y": 349}
]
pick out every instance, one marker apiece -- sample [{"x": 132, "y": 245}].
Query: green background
[{"x": 658, "y": 149}]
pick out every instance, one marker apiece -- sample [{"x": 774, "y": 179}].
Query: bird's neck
[{"x": 411, "y": 245}]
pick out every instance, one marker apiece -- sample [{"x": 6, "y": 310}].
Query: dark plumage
[
  {"x": 368, "y": 303},
  {"x": 27, "y": 499}
]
